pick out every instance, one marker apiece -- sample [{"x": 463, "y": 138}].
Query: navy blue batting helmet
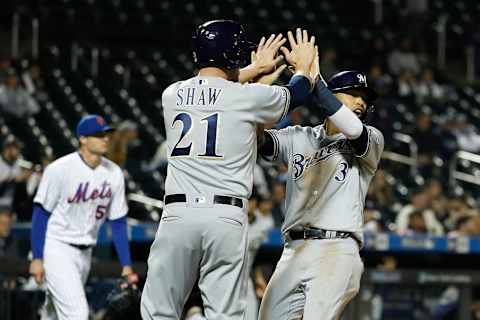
[
  {"x": 221, "y": 43},
  {"x": 352, "y": 79}
]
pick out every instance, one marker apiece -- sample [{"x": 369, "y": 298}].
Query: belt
[
  {"x": 181, "y": 197},
  {"x": 81, "y": 246},
  {"x": 313, "y": 233}
]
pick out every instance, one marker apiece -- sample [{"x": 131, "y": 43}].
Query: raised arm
[
  {"x": 265, "y": 60},
  {"x": 341, "y": 116},
  {"x": 301, "y": 57}
]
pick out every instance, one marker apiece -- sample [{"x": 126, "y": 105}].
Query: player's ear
[{"x": 82, "y": 140}]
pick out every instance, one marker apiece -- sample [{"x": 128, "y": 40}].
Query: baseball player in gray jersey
[
  {"x": 210, "y": 123},
  {"x": 330, "y": 167}
]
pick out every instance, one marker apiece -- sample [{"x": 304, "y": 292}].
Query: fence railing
[
  {"x": 455, "y": 175},
  {"x": 147, "y": 201},
  {"x": 410, "y": 160}
]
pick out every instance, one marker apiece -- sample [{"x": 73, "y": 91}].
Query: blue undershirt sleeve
[
  {"x": 120, "y": 240},
  {"x": 326, "y": 98},
  {"x": 39, "y": 230},
  {"x": 299, "y": 87}
]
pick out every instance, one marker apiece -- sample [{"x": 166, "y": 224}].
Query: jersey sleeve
[
  {"x": 269, "y": 103},
  {"x": 282, "y": 144},
  {"x": 49, "y": 190},
  {"x": 118, "y": 207},
  {"x": 371, "y": 157}
]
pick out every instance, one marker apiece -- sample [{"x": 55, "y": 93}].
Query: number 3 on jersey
[
  {"x": 342, "y": 170},
  {"x": 211, "y": 137}
]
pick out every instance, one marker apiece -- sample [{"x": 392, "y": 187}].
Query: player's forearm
[
  {"x": 39, "y": 230},
  {"x": 259, "y": 278},
  {"x": 248, "y": 73},
  {"x": 299, "y": 87},
  {"x": 326, "y": 98},
  {"x": 120, "y": 240},
  {"x": 342, "y": 117},
  {"x": 347, "y": 122}
]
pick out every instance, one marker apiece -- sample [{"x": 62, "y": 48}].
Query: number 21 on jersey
[{"x": 185, "y": 136}]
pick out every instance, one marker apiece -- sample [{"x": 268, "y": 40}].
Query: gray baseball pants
[{"x": 208, "y": 242}]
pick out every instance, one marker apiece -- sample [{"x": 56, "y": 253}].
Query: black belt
[
  {"x": 81, "y": 246},
  {"x": 181, "y": 197},
  {"x": 313, "y": 233}
]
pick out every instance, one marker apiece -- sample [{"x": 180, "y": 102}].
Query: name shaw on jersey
[
  {"x": 81, "y": 195},
  {"x": 302, "y": 162},
  {"x": 192, "y": 96}
]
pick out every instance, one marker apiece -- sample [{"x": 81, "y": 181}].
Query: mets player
[
  {"x": 210, "y": 123},
  {"x": 330, "y": 167},
  {"x": 77, "y": 193}
]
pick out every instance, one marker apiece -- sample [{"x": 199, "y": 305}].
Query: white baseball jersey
[
  {"x": 210, "y": 124},
  {"x": 79, "y": 198},
  {"x": 328, "y": 183}
]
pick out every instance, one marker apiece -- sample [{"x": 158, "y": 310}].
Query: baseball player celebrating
[
  {"x": 210, "y": 123},
  {"x": 330, "y": 167},
  {"x": 77, "y": 193}
]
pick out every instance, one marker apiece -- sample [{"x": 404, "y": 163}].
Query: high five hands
[{"x": 302, "y": 57}]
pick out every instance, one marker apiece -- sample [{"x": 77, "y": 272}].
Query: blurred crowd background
[{"x": 115, "y": 57}]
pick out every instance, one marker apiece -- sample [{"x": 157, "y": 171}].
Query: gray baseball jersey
[
  {"x": 211, "y": 138},
  {"x": 328, "y": 182},
  {"x": 212, "y": 146},
  {"x": 316, "y": 279}
]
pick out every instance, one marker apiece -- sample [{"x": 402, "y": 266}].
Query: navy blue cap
[{"x": 92, "y": 124}]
